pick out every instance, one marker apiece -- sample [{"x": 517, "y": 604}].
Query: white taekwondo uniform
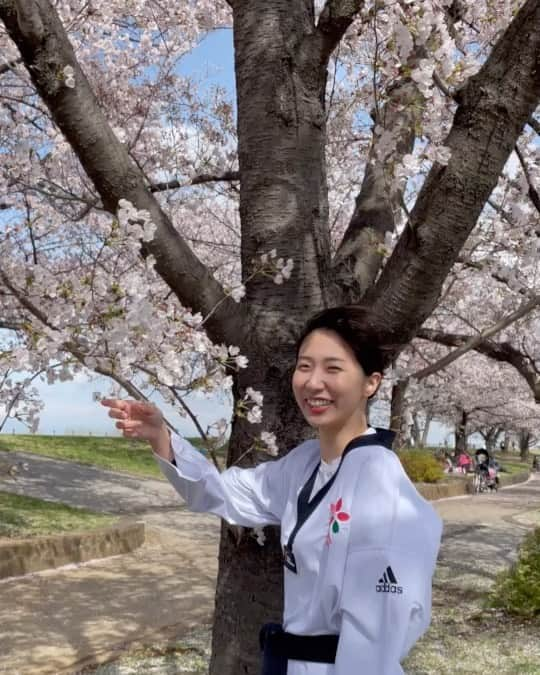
[{"x": 364, "y": 557}]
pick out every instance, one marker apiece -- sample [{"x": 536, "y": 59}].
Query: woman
[
  {"x": 359, "y": 543},
  {"x": 464, "y": 462}
]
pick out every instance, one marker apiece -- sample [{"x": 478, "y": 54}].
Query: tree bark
[
  {"x": 281, "y": 70},
  {"x": 461, "y": 434},
  {"x": 250, "y": 578},
  {"x": 397, "y": 412},
  {"x": 359, "y": 257},
  {"x": 425, "y": 432},
  {"x": 505, "y": 445},
  {"x": 524, "y": 443},
  {"x": 491, "y": 437}
]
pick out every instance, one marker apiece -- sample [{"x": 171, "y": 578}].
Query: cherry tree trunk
[
  {"x": 461, "y": 434},
  {"x": 524, "y": 442},
  {"x": 425, "y": 432},
  {"x": 283, "y": 206},
  {"x": 397, "y": 413},
  {"x": 505, "y": 445}
]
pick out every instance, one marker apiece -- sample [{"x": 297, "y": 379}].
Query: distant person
[
  {"x": 448, "y": 464},
  {"x": 464, "y": 462}
]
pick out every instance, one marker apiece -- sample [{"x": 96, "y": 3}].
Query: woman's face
[{"x": 329, "y": 384}]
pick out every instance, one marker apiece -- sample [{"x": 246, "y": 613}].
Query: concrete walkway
[
  {"x": 87, "y": 486},
  {"x": 57, "y": 621}
]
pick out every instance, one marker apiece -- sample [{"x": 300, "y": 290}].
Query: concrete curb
[
  {"x": 458, "y": 488},
  {"x": 23, "y": 556}
]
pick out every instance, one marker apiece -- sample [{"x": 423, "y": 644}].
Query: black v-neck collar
[{"x": 306, "y": 506}]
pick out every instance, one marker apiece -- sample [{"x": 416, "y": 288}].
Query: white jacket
[{"x": 365, "y": 557}]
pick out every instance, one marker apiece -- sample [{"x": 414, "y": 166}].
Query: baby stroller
[{"x": 485, "y": 473}]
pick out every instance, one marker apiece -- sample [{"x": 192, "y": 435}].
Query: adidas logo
[{"x": 388, "y": 583}]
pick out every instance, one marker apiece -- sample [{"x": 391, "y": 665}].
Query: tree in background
[{"x": 157, "y": 233}]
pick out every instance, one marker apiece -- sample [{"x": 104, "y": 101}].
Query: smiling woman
[
  {"x": 338, "y": 368},
  {"x": 359, "y": 542}
]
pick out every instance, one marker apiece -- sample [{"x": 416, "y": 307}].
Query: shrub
[
  {"x": 421, "y": 467},
  {"x": 517, "y": 589}
]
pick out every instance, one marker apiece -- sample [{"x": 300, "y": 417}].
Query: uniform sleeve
[
  {"x": 248, "y": 497},
  {"x": 385, "y": 601},
  {"x": 386, "y": 606}
]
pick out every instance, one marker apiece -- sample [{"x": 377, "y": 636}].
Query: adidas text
[{"x": 388, "y": 588}]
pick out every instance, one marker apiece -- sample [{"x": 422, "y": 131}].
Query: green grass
[
  {"x": 29, "y": 517},
  {"x": 107, "y": 452},
  {"x": 512, "y": 464},
  {"x": 134, "y": 457}
]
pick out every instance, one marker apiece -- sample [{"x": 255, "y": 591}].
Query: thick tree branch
[
  {"x": 335, "y": 18},
  {"x": 226, "y": 177},
  {"x": 493, "y": 108},
  {"x": 503, "y": 351},
  {"x": 46, "y": 52},
  {"x": 359, "y": 257}
]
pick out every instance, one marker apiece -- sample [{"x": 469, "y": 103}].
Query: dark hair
[{"x": 350, "y": 323}]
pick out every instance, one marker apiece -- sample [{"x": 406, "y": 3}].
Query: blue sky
[
  {"x": 212, "y": 60},
  {"x": 69, "y": 406}
]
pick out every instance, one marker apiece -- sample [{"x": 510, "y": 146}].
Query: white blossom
[
  {"x": 255, "y": 396},
  {"x": 238, "y": 293},
  {"x": 269, "y": 441},
  {"x": 258, "y": 533},
  {"x": 69, "y": 76},
  {"x": 242, "y": 361},
  {"x": 287, "y": 269},
  {"x": 254, "y": 415}
]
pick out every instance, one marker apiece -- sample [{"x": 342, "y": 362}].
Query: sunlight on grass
[
  {"x": 28, "y": 517},
  {"x": 107, "y": 452}
]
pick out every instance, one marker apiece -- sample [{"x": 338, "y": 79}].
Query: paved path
[
  {"x": 482, "y": 533},
  {"x": 87, "y": 486},
  {"x": 55, "y": 619}
]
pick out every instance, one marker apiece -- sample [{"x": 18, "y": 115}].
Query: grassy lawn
[
  {"x": 512, "y": 463},
  {"x": 107, "y": 452},
  {"x": 28, "y": 517},
  {"x": 121, "y": 454}
]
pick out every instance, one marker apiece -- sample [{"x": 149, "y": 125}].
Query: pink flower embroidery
[{"x": 337, "y": 516}]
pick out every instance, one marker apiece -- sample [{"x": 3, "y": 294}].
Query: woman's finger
[
  {"x": 114, "y": 403},
  {"x": 142, "y": 408},
  {"x": 129, "y": 424},
  {"x": 117, "y": 414}
]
